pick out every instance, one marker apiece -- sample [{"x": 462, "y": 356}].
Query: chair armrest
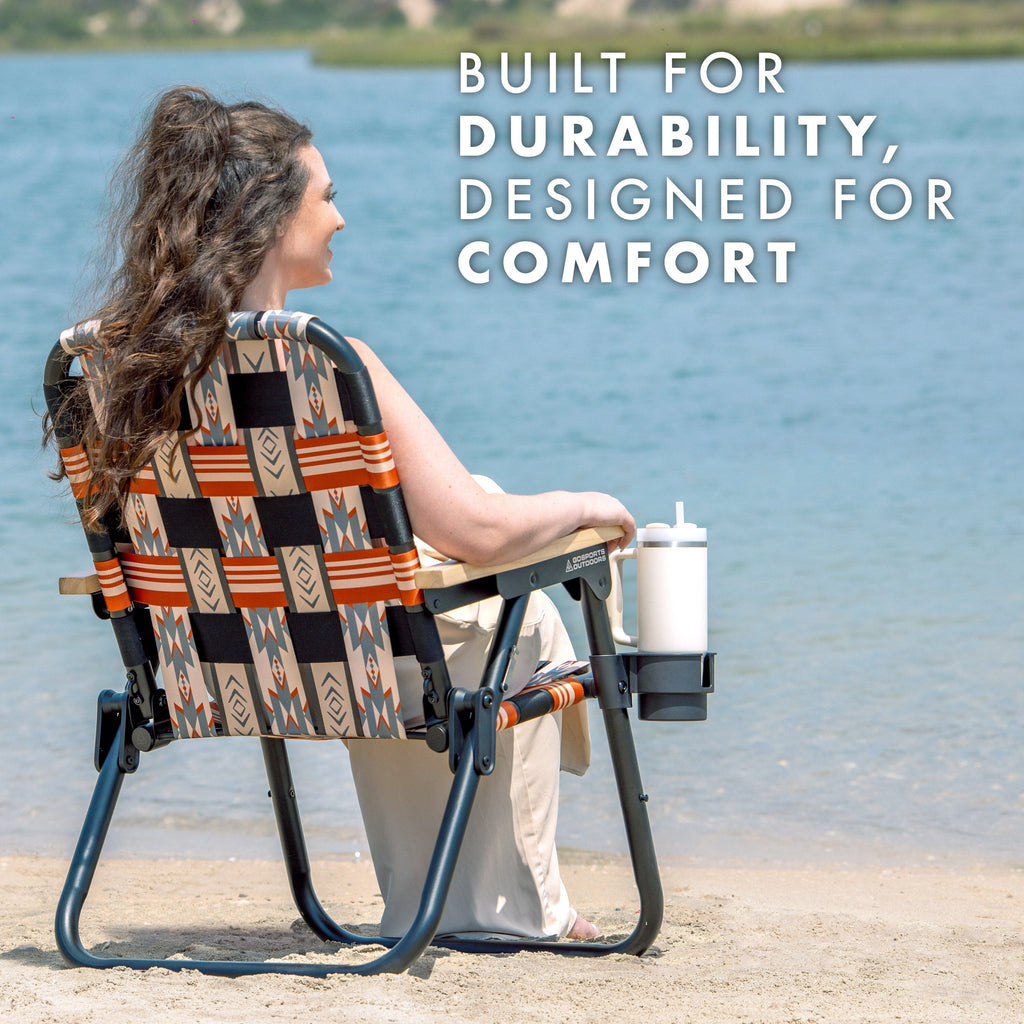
[
  {"x": 451, "y": 574},
  {"x": 80, "y": 583}
]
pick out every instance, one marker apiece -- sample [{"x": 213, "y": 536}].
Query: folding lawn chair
[{"x": 264, "y": 583}]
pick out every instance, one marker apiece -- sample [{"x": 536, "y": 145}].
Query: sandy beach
[{"x": 759, "y": 944}]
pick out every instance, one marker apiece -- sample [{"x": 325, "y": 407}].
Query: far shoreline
[
  {"x": 952, "y": 30},
  {"x": 391, "y": 54}
]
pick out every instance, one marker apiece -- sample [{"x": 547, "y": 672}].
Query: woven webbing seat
[{"x": 264, "y": 581}]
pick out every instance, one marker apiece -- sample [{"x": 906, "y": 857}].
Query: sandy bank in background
[{"x": 738, "y": 945}]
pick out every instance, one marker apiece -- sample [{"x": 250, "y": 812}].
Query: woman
[{"x": 231, "y": 207}]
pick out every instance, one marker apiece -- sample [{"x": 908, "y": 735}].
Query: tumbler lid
[{"x": 682, "y": 535}]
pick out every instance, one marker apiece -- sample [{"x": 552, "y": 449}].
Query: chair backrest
[{"x": 272, "y": 547}]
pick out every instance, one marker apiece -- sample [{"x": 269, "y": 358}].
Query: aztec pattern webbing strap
[
  {"x": 257, "y": 545},
  {"x": 542, "y": 698}
]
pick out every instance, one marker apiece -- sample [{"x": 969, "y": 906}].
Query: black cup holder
[{"x": 671, "y": 687}]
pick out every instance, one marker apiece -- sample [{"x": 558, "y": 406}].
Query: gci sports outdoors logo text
[{"x": 585, "y": 559}]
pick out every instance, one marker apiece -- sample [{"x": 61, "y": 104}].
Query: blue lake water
[{"x": 852, "y": 440}]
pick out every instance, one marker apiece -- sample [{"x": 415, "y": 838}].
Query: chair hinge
[
  {"x": 114, "y": 728},
  {"x": 475, "y": 710}
]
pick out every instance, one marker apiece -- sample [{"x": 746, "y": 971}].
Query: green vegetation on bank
[
  {"x": 893, "y": 30},
  {"x": 372, "y": 32}
]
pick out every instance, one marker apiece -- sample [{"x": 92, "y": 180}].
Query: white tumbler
[{"x": 671, "y": 588}]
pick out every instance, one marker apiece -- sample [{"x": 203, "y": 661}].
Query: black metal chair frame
[{"x": 134, "y": 721}]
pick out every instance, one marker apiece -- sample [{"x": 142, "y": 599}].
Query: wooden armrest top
[
  {"x": 80, "y": 583},
  {"x": 450, "y": 574}
]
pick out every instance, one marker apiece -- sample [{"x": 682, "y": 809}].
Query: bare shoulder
[
  {"x": 379, "y": 372},
  {"x": 364, "y": 351}
]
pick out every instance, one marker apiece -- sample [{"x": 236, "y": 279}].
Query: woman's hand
[{"x": 604, "y": 510}]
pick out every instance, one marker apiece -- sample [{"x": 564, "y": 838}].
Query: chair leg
[
  {"x": 85, "y": 859},
  {"x": 633, "y": 801},
  {"x": 442, "y": 865},
  {"x": 293, "y": 846},
  {"x": 405, "y": 950},
  {"x": 632, "y": 798}
]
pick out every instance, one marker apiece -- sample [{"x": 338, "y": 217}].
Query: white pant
[{"x": 507, "y": 879}]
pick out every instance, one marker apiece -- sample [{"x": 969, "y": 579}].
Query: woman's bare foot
[{"x": 581, "y": 929}]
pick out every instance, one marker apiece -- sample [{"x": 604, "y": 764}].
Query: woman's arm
[{"x": 452, "y": 513}]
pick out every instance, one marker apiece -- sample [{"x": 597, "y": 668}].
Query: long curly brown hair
[{"x": 202, "y": 194}]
